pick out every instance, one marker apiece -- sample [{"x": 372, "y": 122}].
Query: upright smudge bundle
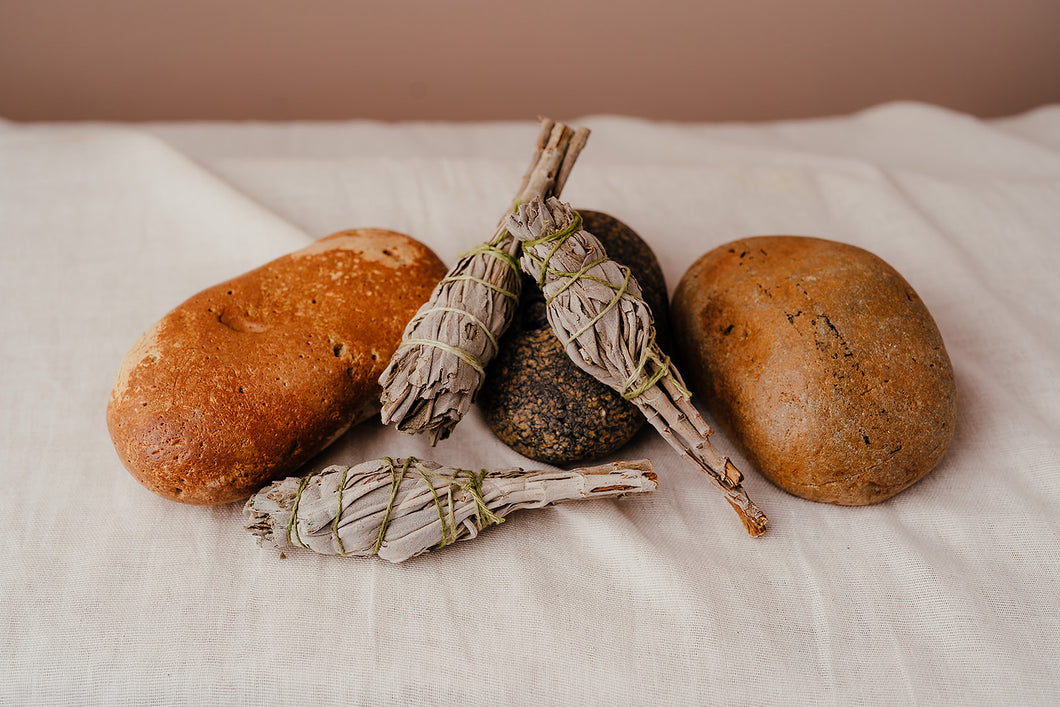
[{"x": 434, "y": 375}]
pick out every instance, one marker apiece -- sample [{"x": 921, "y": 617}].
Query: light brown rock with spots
[
  {"x": 821, "y": 362},
  {"x": 249, "y": 379}
]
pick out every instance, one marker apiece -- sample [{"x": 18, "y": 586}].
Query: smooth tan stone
[{"x": 821, "y": 362}]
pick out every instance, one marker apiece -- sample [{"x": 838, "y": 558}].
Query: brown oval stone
[
  {"x": 536, "y": 400},
  {"x": 821, "y": 362},
  {"x": 249, "y": 379}
]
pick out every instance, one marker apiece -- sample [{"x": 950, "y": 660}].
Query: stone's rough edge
[
  {"x": 846, "y": 488},
  {"x": 198, "y": 464},
  {"x": 373, "y": 244}
]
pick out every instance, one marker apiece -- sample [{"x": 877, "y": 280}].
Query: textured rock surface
[
  {"x": 249, "y": 379},
  {"x": 536, "y": 400},
  {"x": 821, "y": 362}
]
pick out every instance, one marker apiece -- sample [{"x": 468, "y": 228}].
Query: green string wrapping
[
  {"x": 396, "y": 478},
  {"x": 338, "y": 513},
  {"x": 491, "y": 249},
  {"x": 471, "y": 483},
  {"x": 630, "y": 390},
  {"x": 292, "y": 527}
]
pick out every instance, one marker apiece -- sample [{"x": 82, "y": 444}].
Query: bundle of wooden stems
[
  {"x": 596, "y": 309},
  {"x": 401, "y": 508},
  {"x": 440, "y": 364}
]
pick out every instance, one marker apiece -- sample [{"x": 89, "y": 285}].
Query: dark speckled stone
[{"x": 536, "y": 400}]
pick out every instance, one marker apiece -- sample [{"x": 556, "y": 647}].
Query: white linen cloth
[{"x": 948, "y": 593}]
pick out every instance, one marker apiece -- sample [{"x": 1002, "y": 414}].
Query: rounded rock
[
  {"x": 536, "y": 400},
  {"x": 247, "y": 380},
  {"x": 821, "y": 362}
]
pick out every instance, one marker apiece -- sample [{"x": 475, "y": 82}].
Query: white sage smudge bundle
[
  {"x": 438, "y": 368},
  {"x": 596, "y": 309},
  {"x": 400, "y": 508}
]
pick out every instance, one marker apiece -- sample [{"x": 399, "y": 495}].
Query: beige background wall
[{"x": 480, "y": 59}]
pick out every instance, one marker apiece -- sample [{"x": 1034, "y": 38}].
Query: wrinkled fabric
[{"x": 946, "y": 593}]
